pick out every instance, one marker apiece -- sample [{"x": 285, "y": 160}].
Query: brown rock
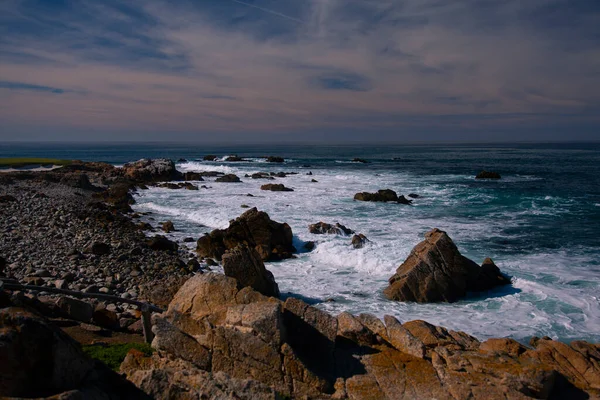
[
  {"x": 105, "y": 318},
  {"x": 351, "y": 328},
  {"x": 149, "y": 170},
  {"x": 359, "y": 241},
  {"x": 161, "y": 243},
  {"x": 246, "y": 266},
  {"x": 228, "y": 178},
  {"x": 402, "y": 339},
  {"x": 436, "y": 271},
  {"x": 170, "y": 339},
  {"x": 271, "y": 239},
  {"x": 168, "y": 226},
  {"x": 505, "y": 346},
  {"x": 383, "y": 195},
  {"x": 75, "y": 309}
]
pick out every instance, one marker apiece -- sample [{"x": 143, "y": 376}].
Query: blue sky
[{"x": 300, "y": 70}]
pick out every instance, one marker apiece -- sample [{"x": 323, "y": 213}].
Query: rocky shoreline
[{"x": 222, "y": 337}]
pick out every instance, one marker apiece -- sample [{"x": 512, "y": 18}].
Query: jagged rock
[
  {"x": 383, "y": 195},
  {"x": 325, "y": 228},
  {"x": 359, "y": 241},
  {"x": 436, "y": 271},
  {"x": 401, "y": 338},
  {"x": 276, "y": 187},
  {"x": 228, "y": 178},
  {"x": 352, "y": 328},
  {"x": 151, "y": 170},
  {"x": 159, "y": 242},
  {"x": 488, "y": 175},
  {"x": 271, "y": 239},
  {"x": 275, "y": 159},
  {"x": 503, "y": 346},
  {"x": 234, "y": 158},
  {"x": 210, "y": 157},
  {"x": 168, "y": 226},
  {"x": 246, "y": 266},
  {"x": 170, "y": 339}
]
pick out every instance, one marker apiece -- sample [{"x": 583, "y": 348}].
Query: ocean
[{"x": 540, "y": 223}]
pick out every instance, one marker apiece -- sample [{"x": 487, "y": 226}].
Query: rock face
[
  {"x": 324, "y": 228},
  {"x": 40, "y": 360},
  {"x": 488, "y": 175},
  {"x": 216, "y": 338},
  {"x": 149, "y": 170},
  {"x": 383, "y": 195},
  {"x": 276, "y": 187},
  {"x": 272, "y": 240},
  {"x": 245, "y": 265},
  {"x": 436, "y": 271}
]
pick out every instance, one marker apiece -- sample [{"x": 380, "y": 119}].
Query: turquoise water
[{"x": 539, "y": 223}]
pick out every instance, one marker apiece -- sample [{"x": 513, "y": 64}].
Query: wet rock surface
[{"x": 383, "y": 195}]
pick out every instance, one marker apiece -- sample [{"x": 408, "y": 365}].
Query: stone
[
  {"x": 106, "y": 318},
  {"x": 228, "y": 178},
  {"x": 351, "y": 328},
  {"x": 276, "y": 187},
  {"x": 488, "y": 175},
  {"x": 275, "y": 159},
  {"x": 161, "y": 243},
  {"x": 401, "y": 338},
  {"x": 503, "y": 346},
  {"x": 75, "y": 309},
  {"x": 271, "y": 239},
  {"x": 192, "y": 176},
  {"x": 359, "y": 241},
  {"x": 210, "y": 157},
  {"x": 246, "y": 266},
  {"x": 98, "y": 248},
  {"x": 61, "y": 284},
  {"x": 436, "y": 271},
  {"x": 383, "y": 195},
  {"x": 325, "y": 228},
  {"x": 168, "y": 226},
  {"x": 170, "y": 339}
]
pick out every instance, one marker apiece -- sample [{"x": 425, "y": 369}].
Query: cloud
[
  {"x": 195, "y": 68},
  {"x": 26, "y": 86}
]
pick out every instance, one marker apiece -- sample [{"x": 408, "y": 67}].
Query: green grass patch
[
  {"x": 113, "y": 354},
  {"x": 19, "y": 162}
]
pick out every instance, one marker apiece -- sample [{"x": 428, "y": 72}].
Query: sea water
[{"x": 539, "y": 223}]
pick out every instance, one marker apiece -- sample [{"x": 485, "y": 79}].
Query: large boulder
[
  {"x": 151, "y": 170},
  {"x": 436, "y": 271},
  {"x": 272, "y": 240},
  {"x": 324, "y": 228},
  {"x": 276, "y": 187},
  {"x": 40, "y": 360},
  {"x": 246, "y": 266},
  {"x": 228, "y": 178},
  {"x": 383, "y": 195}
]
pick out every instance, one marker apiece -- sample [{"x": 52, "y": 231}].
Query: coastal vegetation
[{"x": 20, "y": 162}]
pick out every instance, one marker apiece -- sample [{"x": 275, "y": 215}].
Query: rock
[
  {"x": 488, "y": 175},
  {"x": 38, "y": 359},
  {"x": 228, "y": 178},
  {"x": 209, "y": 157},
  {"x": 61, "y": 284},
  {"x": 324, "y": 228},
  {"x": 359, "y": 241},
  {"x": 233, "y": 158},
  {"x": 503, "y": 346},
  {"x": 7, "y": 198},
  {"x": 436, "y": 271},
  {"x": 314, "y": 180},
  {"x": 402, "y": 339},
  {"x": 351, "y": 328},
  {"x": 192, "y": 176},
  {"x": 246, "y": 266},
  {"x": 276, "y": 187},
  {"x": 170, "y": 339},
  {"x": 413, "y": 196},
  {"x": 149, "y": 170},
  {"x": 118, "y": 196},
  {"x": 161, "y": 243},
  {"x": 274, "y": 159},
  {"x": 168, "y": 226},
  {"x": 360, "y": 160},
  {"x": 310, "y": 245},
  {"x": 106, "y": 318},
  {"x": 161, "y": 295},
  {"x": 383, "y": 195},
  {"x": 75, "y": 309},
  {"x": 78, "y": 180},
  {"x": 182, "y": 160},
  {"x": 34, "y": 280},
  {"x": 2, "y": 265},
  {"x": 271, "y": 239},
  {"x": 98, "y": 248},
  {"x": 188, "y": 240}
]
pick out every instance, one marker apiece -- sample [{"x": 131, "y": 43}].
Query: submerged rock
[
  {"x": 436, "y": 271},
  {"x": 488, "y": 175},
  {"x": 359, "y": 241},
  {"x": 271, "y": 239}
]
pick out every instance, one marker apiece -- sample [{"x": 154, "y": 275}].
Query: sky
[{"x": 278, "y": 71}]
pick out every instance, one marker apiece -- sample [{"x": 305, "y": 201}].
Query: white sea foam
[{"x": 548, "y": 297}]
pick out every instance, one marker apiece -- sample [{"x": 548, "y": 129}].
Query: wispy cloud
[{"x": 267, "y": 67}]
